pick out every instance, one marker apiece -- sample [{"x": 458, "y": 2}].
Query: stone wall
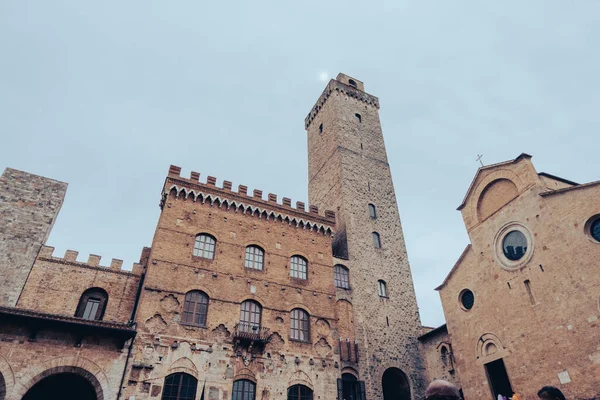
[
  {"x": 29, "y": 205},
  {"x": 539, "y": 314},
  {"x": 439, "y": 359},
  {"x": 348, "y": 170}
]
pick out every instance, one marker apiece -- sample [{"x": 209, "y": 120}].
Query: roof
[
  {"x": 558, "y": 191},
  {"x": 441, "y": 328},
  {"x": 557, "y": 178},
  {"x": 480, "y": 169},
  {"x": 22, "y": 312},
  {"x": 462, "y": 256}
]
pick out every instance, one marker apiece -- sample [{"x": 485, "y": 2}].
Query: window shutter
[
  {"x": 340, "y": 387},
  {"x": 363, "y": 392}
]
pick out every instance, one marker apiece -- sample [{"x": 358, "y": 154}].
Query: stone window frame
[
  {"x": 501, "y": 259},
  {"x": 341, "y": 276},
  {"x": 382, "y": 289},
  {"x": 195, "y": 307},
  {"x": 252, "y": 263},
  {"x": 192, "y": 383},
  {"x": 460, "y": 299},
  {"x": 300, "y": 325},
  {"x": 96, "y": 294},
  {"x": 295, "y": 267},
  {"x": 240, "y": 389},
  {"x": 594, "y": 219},
  {"x": 200, "y": 251}
]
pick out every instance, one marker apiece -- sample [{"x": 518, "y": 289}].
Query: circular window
[
  {"x": 467, "y": 299},
  {"x": 514, "y": 245},
  {"x": 595, "y": 229}
]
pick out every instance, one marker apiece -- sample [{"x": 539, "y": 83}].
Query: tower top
[
  {"x": 348, "y": 80},
  {"x": 344, "y": 85}
]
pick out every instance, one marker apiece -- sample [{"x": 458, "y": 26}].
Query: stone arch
[
  {"x": 300, "y": 378},
  {"x": 475, "y": 194},
  {"x": 245, "y": 373},
  {"x": 395, "y": 384},
  {"x": 350, "y": 370},
  {"x": 494, "y": 196},
  {"x": 7, "y": 378},
  {"x": 488, "y": 345},
  {"x": 75, "y": 365},
  {"x": 183, "y": 365}
]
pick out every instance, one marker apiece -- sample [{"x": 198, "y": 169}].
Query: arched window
[
  {"x": 372, "y": 211},
  {"x": 195, "y": 308},
  {"x": 352, "y": 83},
  {"x": 298, "y": 267},
  {"x": 92, "y": 304},
  {"x": 376, "y": 240},
  {"x": 205, "y": 246},
  {"x": 444, "y": 355},
  {"x": 250, "y": 316},
  {"x": 350, "y": 387},
  {"x": 300, "y": 324},
  {"x": 243, "y": 389},
  {"x": 358, "y": 117},
  {"x": 299, "y": 392},
  {"x": 382, "y": 288},
  {"x": 341, "y": 277},
  {"x": 254, "y": 257},
  {"x": 180, "y": 386},
  {"x": 321, "y": 128}
]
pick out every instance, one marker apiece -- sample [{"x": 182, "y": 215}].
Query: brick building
[
  {"x": 522, "y": 302},
  {"x": 238, "y": 297}
]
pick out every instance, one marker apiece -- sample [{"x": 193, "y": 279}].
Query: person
[
  {"x": 442, "y": 390},
  {"x": 550, "y": 393}
]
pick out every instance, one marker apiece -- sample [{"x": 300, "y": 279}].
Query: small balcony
[{"x": 250, "y": 334}]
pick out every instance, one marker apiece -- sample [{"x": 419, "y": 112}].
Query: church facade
[
  {"x": 522, "y": 304},
  {"x": 240, "y": 295}
]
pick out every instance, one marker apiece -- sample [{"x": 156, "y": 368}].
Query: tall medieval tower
[{"x": 349, "y": 173}]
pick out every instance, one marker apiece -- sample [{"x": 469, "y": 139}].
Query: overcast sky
[{"x": 106, "y": 95}]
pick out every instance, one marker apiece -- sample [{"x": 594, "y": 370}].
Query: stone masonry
[
  {"x": 538, "y": 314},
  {"x": 29, "y": 205},
  {"x": 348, "y": 170}
]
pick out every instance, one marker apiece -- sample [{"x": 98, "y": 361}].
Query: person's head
[
  {"x": 550, "y": 393},
  {"x": 441, "y": 390}
]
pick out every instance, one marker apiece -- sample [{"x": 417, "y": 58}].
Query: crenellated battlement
[
  {"x": 240, "y": 200},
  {"x": 116, "y": 265},
  {"x": 336, "y": 86}
]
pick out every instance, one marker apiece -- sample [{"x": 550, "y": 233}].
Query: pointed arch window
[
  {"x": 180, "y": 386},
  {"x": 195, "y": 308},
  {"x": 341, "y": 277},
  {"x": 254, "y": 258},
  {"x": 300, "y": 324},
  {"x": 92, "y": 304},
  {"x": 300, "y": 392},
  {"x": 250, "y": 316},
  {"x": 382, "y": 288},
  {"x": 243, "y": 389},
  {"x": 298, "y": 267},
  {"x": 372, "y": 211},
  {"x": 376, "y": 240},
  {"x": 358, "y": 117},
  {"x": 204, "y": 246}
]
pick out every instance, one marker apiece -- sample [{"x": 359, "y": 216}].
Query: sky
[{"x": 106, "y": 95}]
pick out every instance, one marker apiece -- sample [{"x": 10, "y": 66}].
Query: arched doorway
[
  {"x": 2, "y": 387},
  {"x": 64, "y": 386},
  {"x": 395, "y": 385}
]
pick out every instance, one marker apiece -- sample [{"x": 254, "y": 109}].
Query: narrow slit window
[
  {"x": 372, "y": 211},
  {"x": 376, "y": 240},
  {"x": 529, "y": 292},
  {"x": 358, "y": 117},
  {"x": 382, "y": 288},
  {"x": 321, "y": 128}
]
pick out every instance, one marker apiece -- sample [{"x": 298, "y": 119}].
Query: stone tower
[
  {"x": 29, "y": 205},
  {"x": 349, "y": 173}
]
